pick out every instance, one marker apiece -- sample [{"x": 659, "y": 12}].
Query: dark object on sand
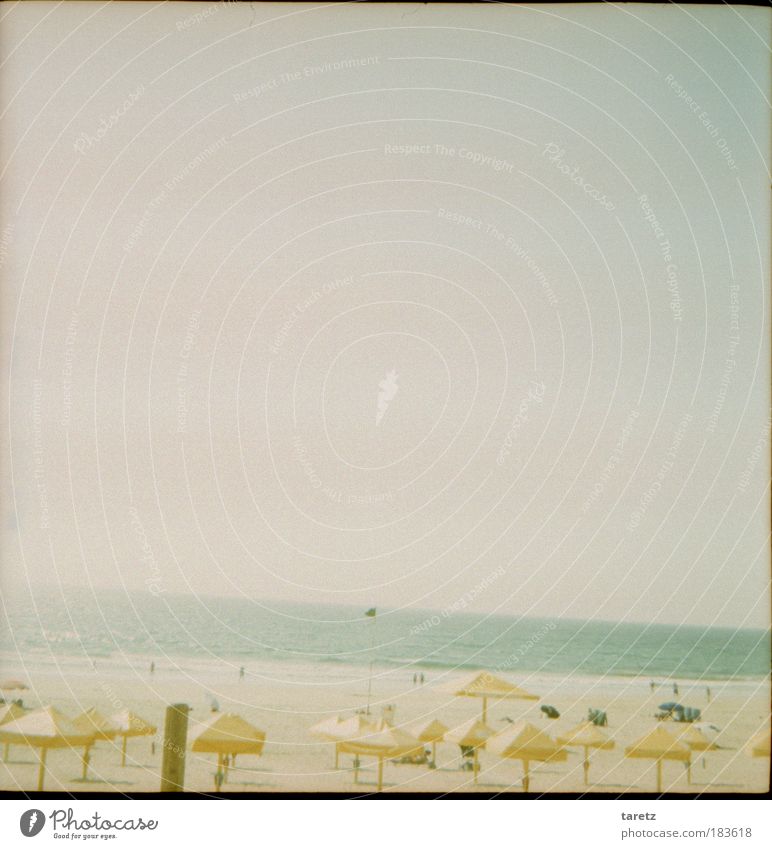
[
  {"x": 678, "y": 713},
  {"x": 686, "y": 714},
  {"x": 551, "y": 712},
  {"x": 597, "y": 717}
]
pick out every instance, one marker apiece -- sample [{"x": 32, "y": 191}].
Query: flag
[{"x": 370, "y": 613}]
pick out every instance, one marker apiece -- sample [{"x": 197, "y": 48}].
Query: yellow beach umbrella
[
  {"x": 429, "y": 731},
  {"x": 697, "y": 742},
  {"x": 525, "y": 742},
  {"x": 92, "y": 722},
  {"x": 759, "y": 746},
  {"x": 99, "y": 727},
  {"x": 359, "y": 724},
  {"x": 44, "y": 729},
  {"x": 11, "y": 711},
  {"x": 588, "y": 736},
  {"x": 131, "y": 725},
  {"x": 326, "y": 729},
  {"x": 472, "y": 734},
  {"x": 12, "y": 684},
  {"x": 355, "y": 726},
  {"x": 227, "y": 735},
  {"x": 386, "y": 743},
  {"x": 659, "y": 745},
  {"x": 485, "y": 685}
]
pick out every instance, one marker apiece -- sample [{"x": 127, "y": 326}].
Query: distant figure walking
[
  {"x": 422, "y": 679},
  {"x": 152, "y": 667},
  {"x": 675, "y": 689},
  {"x": 241, "y": 673},
  {"x": 707, "y": 690},
  {"x": 415, "y": 679},
  {"x": 651, "y": 686}
]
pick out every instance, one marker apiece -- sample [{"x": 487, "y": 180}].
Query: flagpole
[{"x": 372, "y": 658}]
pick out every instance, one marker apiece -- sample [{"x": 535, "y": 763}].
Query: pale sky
[{"x": 223, "y": 227}]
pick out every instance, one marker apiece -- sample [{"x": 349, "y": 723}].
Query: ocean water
[{"x": 81, "y": 624}]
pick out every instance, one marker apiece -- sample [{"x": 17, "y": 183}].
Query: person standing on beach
[
  {"x": 152, "y": 667},
  {"x": 707, "y": 690},
  {"x": 651, "y": 686},
  {"x": 241, "y": 674},
  {"x": 675, "y": 689}
]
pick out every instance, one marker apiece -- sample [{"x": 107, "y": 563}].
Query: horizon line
[{"x": 388, "y": 609}]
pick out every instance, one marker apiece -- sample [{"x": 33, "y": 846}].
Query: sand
[{"x": 286, "y": 701}]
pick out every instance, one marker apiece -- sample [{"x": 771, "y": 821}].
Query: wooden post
[
  {"x": 175, "y": 741},
  {"x": 123, "y": 750},
  {"x": 218, "y": 776},
  {"x": 42, "y": 771},
  {"x": 372, "y": 659}
]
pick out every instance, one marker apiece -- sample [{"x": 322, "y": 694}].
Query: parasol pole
[
  {"x": 476, "y": 765},
  {"x": 526, "y": 781},
  {"x": 123, "y": 750},
  {"x": 380, "y": 773},
  {"x": 586, "y": 766},
  {"x": 485, "y": 709},
  {"x": 86, "y": 758},
  {"x": 42, "y": 770},
  {"x": 371, "y": 614}
]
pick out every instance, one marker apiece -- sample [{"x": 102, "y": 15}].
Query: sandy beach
[{"x": 285, "y": 701}]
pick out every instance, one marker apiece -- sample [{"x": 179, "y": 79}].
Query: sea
[{"x": 53, "y": 626}]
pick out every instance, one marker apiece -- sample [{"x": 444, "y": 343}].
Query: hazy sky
[{"x": 389, "y": 305}]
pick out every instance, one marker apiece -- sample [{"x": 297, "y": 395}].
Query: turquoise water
[{"x": 112, "y": 623}]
